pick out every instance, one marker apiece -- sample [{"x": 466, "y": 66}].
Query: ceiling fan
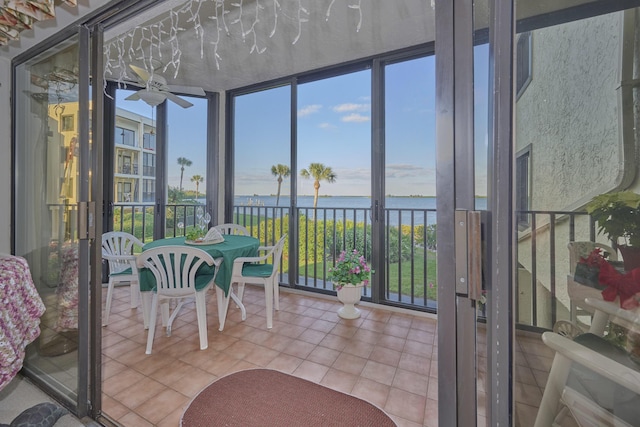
[{"x": 156, "y": 89}]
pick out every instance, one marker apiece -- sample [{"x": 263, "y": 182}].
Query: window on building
[
  {"x": 148, "y": 190},
  {"x": 126, "y": 164},
  {"x": 126, "y": 192},
  {"x": 125, "y": 136},
  {"x": 523, "y": 63},
  {"x": 523, "y": 190},
  {"x": 67, "y": 123},
  {"x": 148, "y": 164},
  {"x": 149, "y": 141}
]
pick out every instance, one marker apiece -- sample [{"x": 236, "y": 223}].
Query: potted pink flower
[{"x": 349, "y": 275}]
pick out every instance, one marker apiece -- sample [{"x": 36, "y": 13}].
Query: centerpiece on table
[
  {"x": 194, "y": 236},
  {"x": 199, "y": 235},
  {"x": 350, "y": 274}
]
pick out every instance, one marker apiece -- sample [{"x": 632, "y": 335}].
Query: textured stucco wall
[{"x": 569, "y": 113}]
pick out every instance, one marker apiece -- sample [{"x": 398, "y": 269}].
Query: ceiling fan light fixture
[{"x": 152, "y": 98}]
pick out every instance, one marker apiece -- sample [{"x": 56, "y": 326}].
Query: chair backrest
[
  {"x": 117, "y": 244},
  {"x": 277, "y": 255},
  {"x": 232, "y": 229},
  {"x": 174, "y": 267},
  {"x": 604, "y": 375},
  {"x": 579, "y": 250}
]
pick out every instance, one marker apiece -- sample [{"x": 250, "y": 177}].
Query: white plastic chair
[
  {"x": 579, "y": 292},
  {"x": 594, "y": 364},
  {"x": 174, "y": 269},
  {"x": 254, "y": 270},
  {"x": 117, "y": 249},
  {"x": 232, "y": 229}
]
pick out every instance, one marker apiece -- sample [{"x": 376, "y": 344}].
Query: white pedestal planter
[{"x": 349, "y": 295}]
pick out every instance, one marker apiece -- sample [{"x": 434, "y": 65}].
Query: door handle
[
  {"x": 86, "y": 220},
  {"x": 468, "y": 249}
]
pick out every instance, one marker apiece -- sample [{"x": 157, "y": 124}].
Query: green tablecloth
[{"x": 233, "y": 247}]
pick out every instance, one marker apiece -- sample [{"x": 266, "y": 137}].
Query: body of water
[{"x": 399, "y": 210}]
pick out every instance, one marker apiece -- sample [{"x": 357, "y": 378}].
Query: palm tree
[
  {"x": 197, "y": 179},
  {"x": 319, "y": 172},
  {"x": 183, "y": 161},
  {"x": 280, "y": 171},
  {"x": 174, "y": 195}
]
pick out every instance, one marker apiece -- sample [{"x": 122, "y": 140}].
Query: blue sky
[
  {"x": 187, "y": 136},
  {"x": 334, "y": 128}
]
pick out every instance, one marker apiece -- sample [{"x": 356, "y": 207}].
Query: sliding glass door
[
  {"x": 334, "y": 173},
  {"x": 576, "y": 138},
  {"x": 53, "y": 212},
  {"x": 159, "y": 166},
  {"x": 410, "y": 182}
]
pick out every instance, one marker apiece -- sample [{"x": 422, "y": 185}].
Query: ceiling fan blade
[
  {"x": 187, "y": 90},
  {"x": 135, "y": 81},
  {"x": 175, "y": 98},
  {"x": 133, "y": 97},
  {"x": 141, "y": 72}
]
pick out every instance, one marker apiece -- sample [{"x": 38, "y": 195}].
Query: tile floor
[{"x": 387, "y": 358}]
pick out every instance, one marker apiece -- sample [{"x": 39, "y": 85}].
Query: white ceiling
[{"x": 322, "y": 41}]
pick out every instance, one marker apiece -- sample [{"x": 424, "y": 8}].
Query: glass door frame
[
  {"x": 94, "y": 300},
  {"x": 500, "y": 265},
  {"x": 89, "y": 253},
  {"x": 457, "y": 369}
]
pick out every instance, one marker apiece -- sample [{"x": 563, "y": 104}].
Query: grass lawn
[
  {"x": 397, "y": 272},
  {"x": 402, "y": 272}
]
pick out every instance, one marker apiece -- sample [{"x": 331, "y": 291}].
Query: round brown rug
[{"x": 268, "y": 398}]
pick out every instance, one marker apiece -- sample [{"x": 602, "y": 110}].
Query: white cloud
[
  {"x": 406, "y": 170},
  {"x": 309, "y": 109},
  {"x": 326, "y": 125},
  {"x": 344, "y": 108},
  {"x": 359, "y": 174},
  {"x": 355, "y": 118}
]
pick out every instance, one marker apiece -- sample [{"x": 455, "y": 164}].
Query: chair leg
[
  {"x": 107, "y": 310},
  {"x": 240, "y": 290},
  {"x": 551, "y": 398},
  {"x": 164, "y": 311},
  {"x": 201, "y": 312},
  {"x": 268, "y": 295},
  {"x": 239, "y": 304},
  {"x": 152, "y": 323},
  {"x": 223, "y": 306},
  {"x": 276, "y": 296},
  {"x": 146, "y": 307},
  {"x": 134, "y": 288},
  {"x": 599, "y": 323},
  {"x": 174, "y": 314}
]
